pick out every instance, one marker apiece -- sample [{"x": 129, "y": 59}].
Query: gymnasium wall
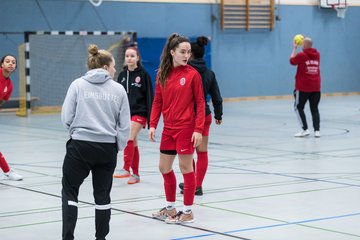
[{"x": 254, "y": 63}]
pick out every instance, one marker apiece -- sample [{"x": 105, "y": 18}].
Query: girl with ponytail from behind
[{"x": 96, "y": 113}]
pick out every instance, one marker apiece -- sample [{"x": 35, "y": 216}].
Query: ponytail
[
  {"x": 166, "y": 60},
  {"x": 198, "y": 47}
]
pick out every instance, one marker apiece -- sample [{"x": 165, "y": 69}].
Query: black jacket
[
  {"x": 139, "y": 88},
  {"x": 210, "y": 86}
]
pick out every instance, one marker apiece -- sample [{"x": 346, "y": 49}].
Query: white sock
[
  {"x": 170, "y": 205},
  {"x": 187, "y": 209}
]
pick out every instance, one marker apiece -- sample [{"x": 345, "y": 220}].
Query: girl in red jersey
[
  {"x": 8, "y": 66},
  {"x": 138, "y": 86},
  {"x": 179, "y": 98}
]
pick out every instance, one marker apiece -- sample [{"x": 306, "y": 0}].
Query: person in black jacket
[
  {"x": 138, "y": 85},
  {"x": 211, "y": 88}
]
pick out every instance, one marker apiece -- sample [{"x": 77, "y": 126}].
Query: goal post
[
  {"x": 22, "y": 110},
  {"x": 53, "y": 59}
]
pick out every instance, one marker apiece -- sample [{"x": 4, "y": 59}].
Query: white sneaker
[
  {"x": 302, "y": 133},
  {"x": 13, "y": 176},
  {"x": 121, "y": 174},
  {"x": 317, "y": 134}
]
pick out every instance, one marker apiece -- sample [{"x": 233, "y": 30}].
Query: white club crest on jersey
[
  {"x": 5, "y": 89},
  {"x": 182, "y": 81}
]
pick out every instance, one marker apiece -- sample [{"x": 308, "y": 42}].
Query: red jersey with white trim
[
  {"x": 307, "y": 78},
  {"x": 6, "y": 87},
  {"x": 181, "y": 100}
]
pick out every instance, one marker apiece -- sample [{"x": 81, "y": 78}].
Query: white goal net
[{"x": 58, "y": 59}]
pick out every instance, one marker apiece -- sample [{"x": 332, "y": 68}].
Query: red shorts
[
  {"x": 207, "y": 124},
  {"x": 177, "y": 139},
  {"x": 139, "y": 119}
]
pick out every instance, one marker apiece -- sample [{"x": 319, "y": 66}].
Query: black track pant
[
  {"x": 81, "y": 158},
  {"x": 300, "y": 100}
]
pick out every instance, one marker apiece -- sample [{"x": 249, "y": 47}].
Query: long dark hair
[
  {"x": 166, "y": 60},
  {"x": 198, "y": 47}
]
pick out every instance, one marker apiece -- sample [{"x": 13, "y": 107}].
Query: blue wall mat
[{"x": 150, "y": 50}]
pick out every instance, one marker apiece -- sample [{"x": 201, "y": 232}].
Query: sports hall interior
[{"x": 261, "y": 184}]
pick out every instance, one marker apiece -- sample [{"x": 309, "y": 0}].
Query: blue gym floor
[{"x": 262, "y": 183}]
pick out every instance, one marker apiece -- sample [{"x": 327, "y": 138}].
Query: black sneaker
[
  {"x": 181, "y": 186},
  {"x": 198, "y": 191}
]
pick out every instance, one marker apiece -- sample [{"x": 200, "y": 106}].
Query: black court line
[{"x": 128, "y": 212}]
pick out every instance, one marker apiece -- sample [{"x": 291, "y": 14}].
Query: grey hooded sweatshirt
[{"x": 96, "y": 109}]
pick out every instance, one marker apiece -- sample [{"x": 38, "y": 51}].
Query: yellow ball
[{"x": 298, "y": 39}]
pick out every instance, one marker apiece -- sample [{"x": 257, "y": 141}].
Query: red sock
[
  {"x": 170, "y": 186},
  {"x": 201, "y": 167},
  {"x": 135, "y": 162},
  {"x": 189, "y": 188},
  {"x": 3, "y": 164},
  {"x": 128, "y": 155}
]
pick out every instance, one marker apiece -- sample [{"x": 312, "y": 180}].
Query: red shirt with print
[
  {"x": 181, "y": 100},
  {"x": 6, "y": 87},
  {"x": 307, "y": 78}
]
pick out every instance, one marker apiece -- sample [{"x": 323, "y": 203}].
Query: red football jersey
[
  {"x": 181, "y": 100},
  {"x": 6, "y": 87}
]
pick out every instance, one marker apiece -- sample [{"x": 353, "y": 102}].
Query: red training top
[
  {"x": 307, "y": 78},
  {"x": 6, "y": 87},
  {"x": 176, "y": 100}
]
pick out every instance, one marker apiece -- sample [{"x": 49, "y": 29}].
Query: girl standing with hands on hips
[
  {"x": 179, "y": 97},
  {"x": 138, "y": 86}
]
